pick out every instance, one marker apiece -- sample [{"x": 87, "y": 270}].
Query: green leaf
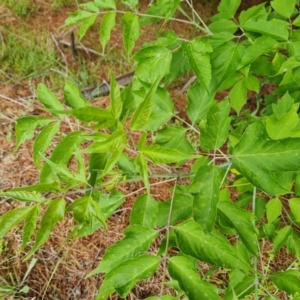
[
  {"x": 290, "y": 64},
  {"x": 283, "y": 106},
  {"x": 61, "y": 154},
  {"x": 30, "y": 225},
  {"x": 26, "y": 126},
  {"x": 287, "y": 281},
  {"x": 274, "y": 28},
  {"x": 222, "y": 26},
  {"x": 179, "y": 66},
  {"x": 144, "y": 211},
  {"x": 160, "y": 154},
  {"x": 40, "y": 188},
  {"x": 153, "y": 62},
  {"x": 199, "y": 60},
  {"x": 110, "y": 203},
  {"x": 66, "y": 177},
  {"x": 131, "y": 3},
  {"x": 23, "y": 196},
  {"x": 143, "y": 168},
  {"x": 115, "y": 97},
  {"x": 163, "y": 8},
  {"x": 105, "y": 290},
  {"x": 136, "y": 241},
  {"x": 273, "y": 208},
  {"x": 174, "y": 137},
  {"x": 192, "y": 240},
  {"x": 125, "y": 276},
  {"x": 238, "y": 96},
  {"x": 206, "y": 186},
  {"x": 87, "y": 210},
  {"x": 281, "y": 238},
  {"x": 89, "y": 114},
  {"x": 54, "y": 213},
  {"x": 142, "y": 114},
  {"x": 112, "y": 160},
  {"x": 189, "y": 281},
  {"x": 73, "y": 96},
  {"x": 199, "y": 102},
  {"x": 182, "y": 208},
  {"x": 242, "y": 221},
  {"x": 110, "y": 4},
  {"x": 285, "y": 8},
  {"x": 165, "y": 297},
  {"x": 43, "y": 141},
  {"x": 215, "y": 131},
  {"x": 86, "y": 24},
  {"x": 261, "y": 160},
  {"x": 228, "y": 8},
  {"x": 107, "y": 24},
  {"x": 253, "y": 83},
  {"x": 162, "y": 111},
  {"x": 115, "y": 141},
  {"x": 294, "y": 204},
  {"x": 12, "y": 218},
  {"x": 48, "y": 99},
  {"x": 131, "y": 31},
  {"x": 91, "y": 6},
  {"x": 261, "y": 46},
  {"x": 77, "y": 17},
  {"x": 226, "y": 59},
  {"x": 253, "y": 13},
  {"x": 282, "y": 128}
]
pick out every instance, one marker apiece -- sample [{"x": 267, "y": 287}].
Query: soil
[{"x": 61, "y": 267}]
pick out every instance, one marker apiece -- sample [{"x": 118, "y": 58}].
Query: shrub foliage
[{"x": 250, "y": 149}]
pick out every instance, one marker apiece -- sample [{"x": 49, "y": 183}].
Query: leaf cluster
[{"x": 250, "y": 149}]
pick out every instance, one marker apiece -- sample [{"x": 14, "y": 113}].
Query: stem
[
  {"x": 151, "y": 16},
  {"x": 200, "y": 19},
  {"x": 256, "y": 282},
  {"x": 167, "y": 239}
]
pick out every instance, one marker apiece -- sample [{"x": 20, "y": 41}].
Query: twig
[
  {"x": 56, "y": 43},
  {"x": 12, "y": 100},
  {"x": 188, "y": 84},
  {"x": 81, "y": 47}
]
